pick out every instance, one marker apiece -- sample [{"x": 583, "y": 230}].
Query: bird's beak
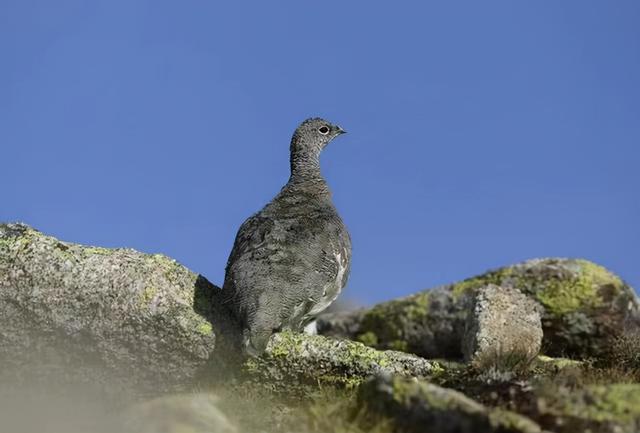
[{"x": 340, "y": 130}]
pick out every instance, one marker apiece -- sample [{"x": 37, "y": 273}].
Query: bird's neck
[{"x": 305, "y": 170}]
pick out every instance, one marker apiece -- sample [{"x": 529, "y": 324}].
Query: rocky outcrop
[
  {"x": 584, "y": 308},
  {"x": 127, "y": 320},
  {"x": 186, "y": 413},
  {"x": 109, "y": 316},
  {"x": 296, "y": 359},
  {"x": 121, "y": 321},
  {"x": 502, "y": 329},
  {"x": 416, "y": 406},
  {"x": 613, "y": 408}
]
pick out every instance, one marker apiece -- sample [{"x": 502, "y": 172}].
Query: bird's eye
[{"x": 324, "y": 130}]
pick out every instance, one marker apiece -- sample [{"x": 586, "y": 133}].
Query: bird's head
[{"x": 314, "y": 134}]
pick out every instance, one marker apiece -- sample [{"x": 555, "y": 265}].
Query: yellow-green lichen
[
  {"x": 493, "y": 277},
  {"x": 368, "y": 338},
  {"x": 384, "y": 325},
  {"x": 205, "y": 328},
  {"x": 170, "y": 268},
  {"x": 400, "y": 345},
  {"x": 510, "y": 421},
  {"x": 556, "y": 364},
  {"x": 148, "y": 294},
  {"x": 619, "y": 401},
  {"x": 602, "y": 403},
  {"x": 98, "y": 250},
  {"x": 287, "y": 344},
  {"x": 565, "y": 295},
  {"x": 419, "y": 307}
]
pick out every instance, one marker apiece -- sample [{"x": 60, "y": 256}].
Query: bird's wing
[{"x": 250, "y": 237}]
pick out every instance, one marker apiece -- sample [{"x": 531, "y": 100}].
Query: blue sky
[{"x": 480, "y": 133}]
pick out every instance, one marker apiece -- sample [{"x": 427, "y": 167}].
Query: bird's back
[{"x": 289, "y": 261}]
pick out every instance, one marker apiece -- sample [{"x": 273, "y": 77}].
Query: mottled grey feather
[{"x": 290, "y": 260}]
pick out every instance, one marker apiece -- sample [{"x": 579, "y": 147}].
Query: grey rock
[
  {"x": 585, "y": 308},
  {"x": 294, "y": 360},
  {"x": 290, "y": 260},
  {"x": 503, "y": 327},
  {"x": 340, "y": 323},
  {"x": 116, "y": 318},
  {"x": 187, "y": 413},
  {"x": 417, "y": 406},
  {"x": 603, "y": 408}
]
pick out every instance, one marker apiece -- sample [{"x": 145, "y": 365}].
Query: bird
[{"x": 291, "y": 259}]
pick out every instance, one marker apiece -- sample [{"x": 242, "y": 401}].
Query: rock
[
  {"x": 339, "y": 323},
  {"x": 418, "y": 406},
  {"x": 188, "y": 413},
  {"x": 503, "y": 329},
  {"x": 613, "y": 408},
  {"x": 585, "y": 307},
  {"x": 429, "y": 324},
  {"x": 114, "y": 317},
  {"x": 297, "y": 359}
]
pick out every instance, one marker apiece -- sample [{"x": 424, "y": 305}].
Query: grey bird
[{"x": 290, "y": 260}]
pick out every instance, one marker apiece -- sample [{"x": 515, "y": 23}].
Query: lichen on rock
[
  {"x": 612, "y": 408},
  {"x": 584, "y": 308},
  {"x": 109, "y": 316},
  {"x": 293, "y": 359},
  {"x": 417, "y": 406}
]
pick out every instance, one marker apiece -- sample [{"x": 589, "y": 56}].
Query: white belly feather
[{"x": 333, "y": 288}]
